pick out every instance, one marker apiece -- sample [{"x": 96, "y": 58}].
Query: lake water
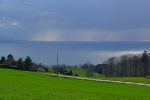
[{"x": 71, "y": 52}]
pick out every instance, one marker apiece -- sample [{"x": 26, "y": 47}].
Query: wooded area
[{"x": 127, "y": 65}]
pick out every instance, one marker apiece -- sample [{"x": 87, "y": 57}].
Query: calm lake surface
[{"x": 71, "y": 52}]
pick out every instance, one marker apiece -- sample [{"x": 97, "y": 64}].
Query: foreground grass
[{"x": 21, "y": 85}]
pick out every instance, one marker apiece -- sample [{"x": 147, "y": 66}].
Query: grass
[
  {"x": 131, "y": 79},
  {"x": 78, "y": 70},
  {"x": 22, "y": 85},
  {"x": 81, "y": 72}
]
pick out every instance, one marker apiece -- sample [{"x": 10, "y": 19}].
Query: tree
[
  {"x": 28, "y": 63},
  {"x": 2, "y": 60},
  {"x": 10, "y": 57},
  {"x": 87, "y": 65},
  {"x": 145, "y": 60},
  {"x": 98, "y": 69},
  {"x": 20, "y": 64},
  {"x": 70, "y": 72},
  {"x": 90, "y": 72}
]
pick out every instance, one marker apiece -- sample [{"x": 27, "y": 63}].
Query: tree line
[
  {"x": 130, "y": 65},
  {"x": 20, "y": 64}
]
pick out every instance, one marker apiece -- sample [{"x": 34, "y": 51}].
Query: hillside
[{"x": 23, "y": 85}]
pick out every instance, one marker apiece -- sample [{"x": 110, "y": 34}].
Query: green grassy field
[{"x": 22, "y": 85}]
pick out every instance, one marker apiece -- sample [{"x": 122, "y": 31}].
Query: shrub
[
  {"x": 147, "y": 77},
  {"x": 76, "y": 75}
]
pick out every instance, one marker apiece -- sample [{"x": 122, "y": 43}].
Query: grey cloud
[{"x": 78, "y": 19}]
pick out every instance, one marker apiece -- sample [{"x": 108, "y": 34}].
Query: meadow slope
[{"x": 23, "y": 85}]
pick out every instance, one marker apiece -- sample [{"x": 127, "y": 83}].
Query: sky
[{"x": 75, "y": 20}]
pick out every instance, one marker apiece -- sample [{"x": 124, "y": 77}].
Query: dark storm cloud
[{"x": 85, "y": 20}]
